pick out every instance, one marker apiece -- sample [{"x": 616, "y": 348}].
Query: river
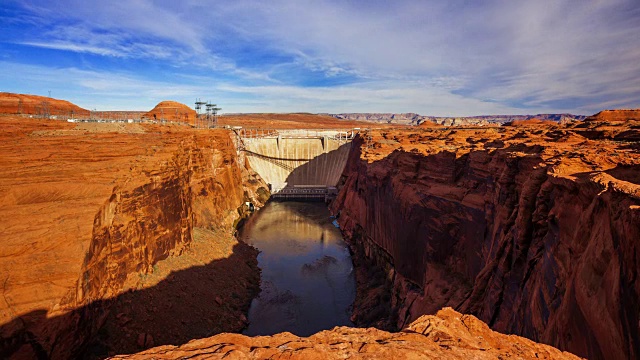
[{"x": 307, "y": 279}]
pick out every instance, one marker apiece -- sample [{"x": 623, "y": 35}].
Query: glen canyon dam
[{"x": 320, "y": 180}]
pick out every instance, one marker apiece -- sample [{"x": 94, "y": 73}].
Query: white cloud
[
  {"x": 434, "y": 57},
  {"x": 122, "y": 91}
]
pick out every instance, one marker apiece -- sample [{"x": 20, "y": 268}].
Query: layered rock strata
[
  {"x": 533, "y": 229},
  {"x": 86, "y": 212}
]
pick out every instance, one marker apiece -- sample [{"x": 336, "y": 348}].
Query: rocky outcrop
[
  {"x": 88, "y": 216},
  {"x": 615, "y": 116},
  {"x": 11, "y": 103},
  {"x": 447, "y": 335},
  {"x": 172, "y": 111},
  {"x": 531, "y": 229},
  {"x": 531, "y": 122}
]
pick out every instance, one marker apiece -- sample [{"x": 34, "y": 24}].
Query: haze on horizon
[{"x": 442, "y": 58}]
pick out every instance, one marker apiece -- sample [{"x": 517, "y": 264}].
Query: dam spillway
[{"x": 297, "y": 163}]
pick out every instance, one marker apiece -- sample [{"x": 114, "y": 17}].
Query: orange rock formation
[
  {"x": 428, "y": 124},
  {"x": 89, "y": 211},
  {"x": 172, "y": 111},
  {"x": 532, "y": 122},
  {"x": 615, "y": 115},
  {"x": 38, "y": 105},
  {"x": 532, "y": 229},
  {"x": 447, "y": 335},
  {"x": 119, "y": 237}
]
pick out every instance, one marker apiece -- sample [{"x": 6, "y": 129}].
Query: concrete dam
[{"x": 297, "y": 164}]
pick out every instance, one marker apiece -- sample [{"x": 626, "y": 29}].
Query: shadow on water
[
  {"x": 188, "y": 304},
  {"x": 307, "y": 275}
]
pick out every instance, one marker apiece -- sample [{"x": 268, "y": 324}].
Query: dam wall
[{"x": 297, "y": 161}]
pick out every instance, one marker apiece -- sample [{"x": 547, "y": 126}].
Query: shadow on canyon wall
[
  {"x": 188, "y": 304},
  {"x": 508, "y": 262},
  {"x": 630, "y": 173},
  {"x": 495, "y": 236}
]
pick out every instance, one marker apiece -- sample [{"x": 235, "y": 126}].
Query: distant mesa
[
  {"x": 172, "y": 111},
  {"x": 615, "y": 115},
  {"x": 417, "y": 119},
  {"x": 11, "y": 103},
  {"x": 531, "y": 122},
  {"x": 428, "y": 124}
]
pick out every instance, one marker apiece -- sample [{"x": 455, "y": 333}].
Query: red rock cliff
[
  {"x": 533, "y": 230},
  {"x": 87, "y": 207}
]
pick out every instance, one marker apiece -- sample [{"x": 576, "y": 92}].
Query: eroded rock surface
[
  {"x": 447, "y": 335},
  {"x": 88, "y": 216},
  {"x": 533, "y": 228}
]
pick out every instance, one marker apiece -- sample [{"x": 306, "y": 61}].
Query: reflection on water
[{"x": 308, "y": 282}]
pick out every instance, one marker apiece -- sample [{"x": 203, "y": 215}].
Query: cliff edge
[
  {"x": 533, "y": 229},
  {"x": 446, "y": 335}
]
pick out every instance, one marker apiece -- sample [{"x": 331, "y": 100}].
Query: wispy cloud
[
  {"x": 118, "y": 91},
  {"x": 434, "y": 57}
]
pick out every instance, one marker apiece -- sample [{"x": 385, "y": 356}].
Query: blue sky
[{"x": 441, "y": 58}]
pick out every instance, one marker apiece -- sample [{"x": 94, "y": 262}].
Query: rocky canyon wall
[
  {"x": 87, "y": 211},
  {"x": 533, "y": 229}
]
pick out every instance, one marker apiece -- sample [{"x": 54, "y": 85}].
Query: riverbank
[{"x": 205, "y": 291}]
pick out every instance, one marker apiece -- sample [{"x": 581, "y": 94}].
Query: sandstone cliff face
[
  {"x": 615, "y": 116},
  {"x": 447, "y": 335},
  {"x": 84, "y": 212},
  {"x": 532, "y": 229}
]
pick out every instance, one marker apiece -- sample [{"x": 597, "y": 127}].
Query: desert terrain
[{"x": 473, "y": 241}]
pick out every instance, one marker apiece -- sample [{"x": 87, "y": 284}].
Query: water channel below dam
[{"x": 307, "y": 279}]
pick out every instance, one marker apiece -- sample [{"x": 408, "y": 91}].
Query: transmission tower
[
  {"x": 212, "y": 114},
  {"x": 199, "y": 104}
]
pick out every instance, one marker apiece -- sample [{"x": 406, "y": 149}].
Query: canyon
[
  {"x": 531, "y": 228},
  {"x": 94, "y": 217},
  {"x": 466, "y": 242}
]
